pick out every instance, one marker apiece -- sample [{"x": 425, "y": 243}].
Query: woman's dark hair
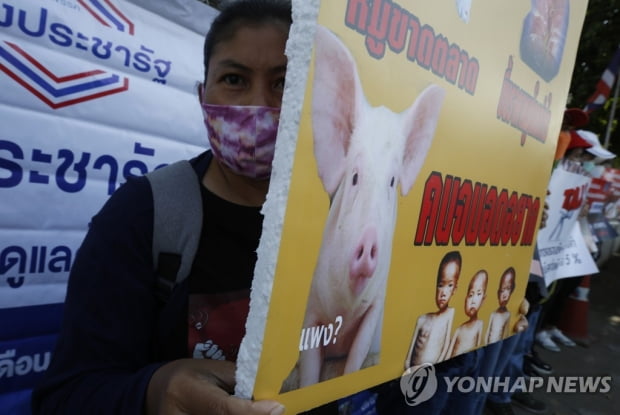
[{"x": 244, "y": 12}]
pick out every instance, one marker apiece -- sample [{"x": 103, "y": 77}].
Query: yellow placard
[{"x": 427, "y": 134}]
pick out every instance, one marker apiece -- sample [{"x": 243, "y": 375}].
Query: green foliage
[{"x": 600, "y": 39}]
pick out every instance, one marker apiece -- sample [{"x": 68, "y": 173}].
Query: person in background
[
  {"x": 594, "y": 160},
  {"x": 572, "y": 119},
  {"x": 548, "y": 335},
  {"x": 582, "y": 152}
]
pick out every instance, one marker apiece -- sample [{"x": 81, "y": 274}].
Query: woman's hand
[
  {"x": 522, "y": 324},
  {"x": 201, "y": 387}
]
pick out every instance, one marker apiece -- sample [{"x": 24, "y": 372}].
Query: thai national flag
[{"x": 604, "y": 85}]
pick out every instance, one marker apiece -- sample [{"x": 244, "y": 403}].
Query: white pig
[{"x": 363, "y": 153}]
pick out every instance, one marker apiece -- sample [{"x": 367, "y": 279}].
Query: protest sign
[
  {"x": 563, "y": 250},
  {"x": 412, "y": 163}
]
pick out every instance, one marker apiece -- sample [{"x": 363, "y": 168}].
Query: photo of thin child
[
  {"x": 469, "y": 335},
  {"x": 431, "y": 338},
  {"x": 498, "y": 322}
]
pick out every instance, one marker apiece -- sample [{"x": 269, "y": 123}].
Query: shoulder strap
[{"x": 177, "y": 222}]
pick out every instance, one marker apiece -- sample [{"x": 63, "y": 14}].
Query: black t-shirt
[
  {"x": 227, "y": 250},
  {"x": 210, "y": 306},
  {"x": 221, "y": 277}
]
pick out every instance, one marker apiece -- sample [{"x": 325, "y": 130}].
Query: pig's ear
[
  {"x": 335, "y": 103},
  {"x": 419, "y": 127}
]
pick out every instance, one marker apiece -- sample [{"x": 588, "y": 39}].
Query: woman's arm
[{"x": 104, "y": 356}]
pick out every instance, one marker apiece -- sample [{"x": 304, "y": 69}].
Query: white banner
[{"x": 92, "y": 92}]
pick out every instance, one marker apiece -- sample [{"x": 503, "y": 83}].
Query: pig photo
[{"x": 363, "y": 154}]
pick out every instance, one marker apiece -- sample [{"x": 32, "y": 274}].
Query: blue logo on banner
[
  {"x": 61, "y": 90},
  {"x": 37, "y": 79}
]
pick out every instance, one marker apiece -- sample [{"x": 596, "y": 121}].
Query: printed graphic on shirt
[{"x": 216, "y": 324}]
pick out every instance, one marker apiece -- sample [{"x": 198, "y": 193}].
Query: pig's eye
[
  {"x": 355, "y": 179},
  {"x": 392, "y": 182}
]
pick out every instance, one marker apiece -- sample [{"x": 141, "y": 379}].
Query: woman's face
[{"x": 249, "y": 68}]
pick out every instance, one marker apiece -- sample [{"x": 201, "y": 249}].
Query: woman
[{"x": 120, "y": 350}]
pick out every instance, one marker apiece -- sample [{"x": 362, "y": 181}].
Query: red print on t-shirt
[{"x": 217, "y": 324}]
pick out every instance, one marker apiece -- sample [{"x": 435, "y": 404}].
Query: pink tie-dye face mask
[{"x": 243, "y": 137}]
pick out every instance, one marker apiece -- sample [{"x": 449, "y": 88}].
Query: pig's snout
[{"x": 364, "y": 260}]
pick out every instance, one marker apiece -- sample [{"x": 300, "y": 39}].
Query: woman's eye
[
  {"x": 232, "y": 79},
  {"x": 354, "y": 181},
  {"x": 280, "y": 84},
  {"x": 392, "y": 182}
]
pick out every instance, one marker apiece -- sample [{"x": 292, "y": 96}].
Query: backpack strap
[{"x": 177, "y": 223}]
